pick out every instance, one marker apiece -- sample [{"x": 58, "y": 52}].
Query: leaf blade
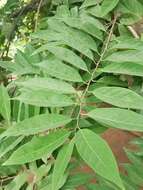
[
  {"x": 47, "y": 84},
  {"x": 121, "y": 97},
  {"x": 124, "y": 68},
  {"x": 61, "y": 163},
  {"x": 36, "y": 124},
  {"x": 44, "y": 99},
  {"x": 101, "y": 157},
  {"x": 58, "y": 69},
  {"x": 5, "y": 109},
  {"x": 118, "y": 118},
  {"x": 68, "y": 56},
  {"x": 37, "y": 148}
]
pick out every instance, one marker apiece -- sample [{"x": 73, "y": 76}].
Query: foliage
[
  {"x": 76, "y": 70},
  {"x": 132, "y": 175}
]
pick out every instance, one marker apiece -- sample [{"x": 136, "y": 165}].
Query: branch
[
  {"x": 133, "y": 32},
  {"x": 105, "y": 47},
  {"x": 16, "y": 16},
  {"x": 32, "y": 6},
  {"x": 37, "y": 14}
]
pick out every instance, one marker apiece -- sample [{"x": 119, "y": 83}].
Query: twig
[
  {"x": 37, "y": 14},
  {"x": 133, "y": 32},
  {"x": 6, "y": 179},
  {"x": 7, "y": 46},
  {"x": 31, "y": 6},
  {"x": 105, "y": 47}
]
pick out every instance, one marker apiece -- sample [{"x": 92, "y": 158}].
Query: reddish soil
[{"x": 117, "y": 140}]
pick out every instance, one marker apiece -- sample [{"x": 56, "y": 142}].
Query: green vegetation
[{"x": 69, "y": 70}]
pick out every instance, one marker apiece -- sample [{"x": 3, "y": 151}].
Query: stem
[
  {"x": 133, "y": 32},
  {"x": 19, "y": 112},
  {"x": 6, "y": 179},
  {"x": 105, "y": 47},
  {"x": 37, "y": 14}
]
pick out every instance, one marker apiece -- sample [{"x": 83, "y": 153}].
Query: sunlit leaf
[
  {"x": 118, "y": 118},
  {"x": 37, "y": 124},
  {"x": 120, "y": 97},
  {"x": 37, "y": 148},
  {"x": 47, "y": 84},
  {"x": 56, "y": 68},
  {"x": 97, "y": 154},
  {"x": 61, "y": 163},
  {"x": 5, "y": 109},
  {"x": 44, "y": 99}
]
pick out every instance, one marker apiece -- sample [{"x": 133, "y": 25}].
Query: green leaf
[
  {"x": 47, "y": 84},
  {"x": 118, "y": 118},
  {"x": 124, "y": 43},
  {"x": 68, "y": 56},
  {"x": 42, "y": 171},
  {"x": 44, "y": 99},
  {"x": 37, "y": 148},
  {"x": 88, "y": 25},
  {"x": 131, "y": 10},
  {"x": 124, "y": 68},
  {"x": 37, "y": 124},
  {"x": 102, "y": 10},
  {"x": 17, "y": 69},
  {"x": 77, "y": 180},
  {"x": 134, "y": 174},
  {"x": 134, "y": 159},
  {"x": 63, "y": 10},
  {"x": 18, "y": 181},
  {"x": 85, "y": 17},
  {"x": 56, "y": 68},
  {"x": 8, "y": 65},
  {"x": 128, "y": 183},
  {"x": 107, "y": 6},
  {"x": 98, "y": 187},
  {"x": 20, "y": 59},
  {"x": 89, "y": 3},
  {"x": 29, "y": 49},
  {"x": 71, "y": 42},
  {"x": 47, "y": 184},
  {"x": 120, "y": 97},
  {"x": 131, "y": 56},
  {"x": 9, "y": 144},
  {"x": 76, "y": 39},
  {"x": 73, "y": 38},
  {"x": 92, "y": 30},
  {"x": 61, "y": 164},
  {"x": 5, "y": 109},
  {"x": 42, "y": 35},
  {"x": 23, "y": 65},
  {"x": 97, "y": 154},
  {"x": 112, "y": 81}
]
